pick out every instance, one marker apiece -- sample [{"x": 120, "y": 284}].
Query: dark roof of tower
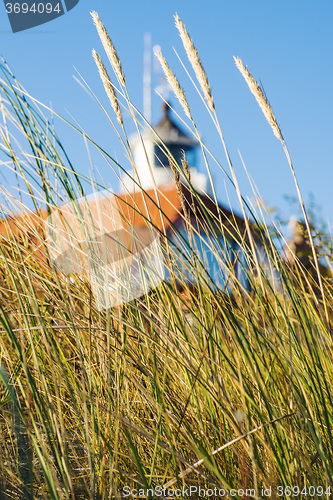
[{"x": 169, "y": 132}]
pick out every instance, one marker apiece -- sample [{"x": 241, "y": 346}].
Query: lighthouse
[{"x": 155, "y": 149}]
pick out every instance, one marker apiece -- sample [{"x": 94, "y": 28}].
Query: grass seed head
[
  {"x": 260, "y": 98},
  {"x": 108, "y": 87},
  {"x": 194, "y": 59},
  {"x": 109, "y": 48},
  {"x": 175, "y": 85}
]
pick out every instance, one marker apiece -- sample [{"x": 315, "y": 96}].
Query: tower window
[{"x": 176, "y": 150}]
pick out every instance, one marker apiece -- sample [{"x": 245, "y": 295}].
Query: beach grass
[{"x": 208, "y": 387}]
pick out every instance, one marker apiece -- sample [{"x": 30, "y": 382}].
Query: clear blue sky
[{"x": 286, "y": 45}]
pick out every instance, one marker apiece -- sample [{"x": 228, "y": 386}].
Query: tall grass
[{"x": 211, "y": 388}]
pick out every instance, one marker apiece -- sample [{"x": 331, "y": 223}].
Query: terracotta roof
[{"x": 136, "y": 209}]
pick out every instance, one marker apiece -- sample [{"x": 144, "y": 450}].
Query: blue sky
[{"x": 286, "y": 45}]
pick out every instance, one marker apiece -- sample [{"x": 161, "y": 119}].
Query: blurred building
[
  {"x": 216, "y": 233},
  {"x": 201, "y": 240}
]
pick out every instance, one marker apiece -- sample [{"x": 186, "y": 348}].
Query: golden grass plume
[
  {"x": 108, "y": 87},
  {"x": 109, "y": 48},
  {"x": 260, "y": 98},
  {"x": 175, "y": 85},
  {"x": 195, "y": 61}
]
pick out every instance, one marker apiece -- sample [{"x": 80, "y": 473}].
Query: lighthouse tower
[{"x": 152, "y": 163}]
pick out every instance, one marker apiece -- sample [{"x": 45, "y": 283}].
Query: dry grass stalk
[
  {"x": 194, "y": 59},
  {"x": 174, "y": 83},
  {"x": 260, "y": 98},
  {"x": 108, "y": 87},
  {"x": 109, "y": 48},
  {"x": 176, "y": 176},
  {"x": 186, "y": 167}
]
